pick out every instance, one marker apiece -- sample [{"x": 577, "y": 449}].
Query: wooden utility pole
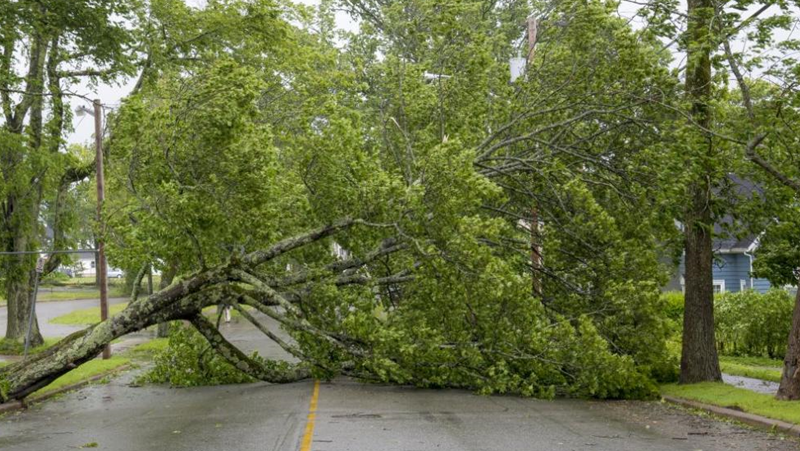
[
  {"x": 100, "y": 267},
  {"x": 536, "y": 247}
]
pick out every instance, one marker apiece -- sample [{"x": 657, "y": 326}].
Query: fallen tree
[
  {"x": 237, "y": 281},
  {"x": 495, "y": 342}
]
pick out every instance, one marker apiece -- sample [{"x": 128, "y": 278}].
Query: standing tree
[
  {"x": 47, "y": 47},
  {"x": 699, "y": 361}
]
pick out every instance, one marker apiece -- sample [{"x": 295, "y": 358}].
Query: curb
[
  {"x": 20, "y": 405},
  {"x": 743, "y": 417}
]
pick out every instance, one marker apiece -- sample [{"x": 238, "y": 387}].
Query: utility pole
[
  {"x": 100, "y": 267},
  {"x": 536, "y": 246}
]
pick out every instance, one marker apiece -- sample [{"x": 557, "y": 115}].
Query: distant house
[
  {"x": 733, "y": 257},
  {"x": 85, "y": 266},
  {"x": 732, "y": 268}
]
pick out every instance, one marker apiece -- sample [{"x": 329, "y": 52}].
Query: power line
[{"x": 73, "y": 251}]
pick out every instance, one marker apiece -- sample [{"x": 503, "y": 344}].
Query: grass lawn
[
  {"x": 755, "y": 367},
  {"x": 12, "y": 347},
  {"x": 147, "y": 350},
  {"x": 86, "y": 317},
  {"x": 78, "y": 293},
  {"x": 48, "y": 295},
  {"x": 85, "y": 371},
  {"x": 724, "y": 395}
]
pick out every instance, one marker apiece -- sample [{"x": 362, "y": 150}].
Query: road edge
[
  {"x": 24, "y": 404},
  {"x": 743, "y": 417}
]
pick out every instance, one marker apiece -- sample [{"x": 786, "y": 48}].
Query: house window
[
  {"x": 719, "y": 286},
  {"x": 742, "y": 284},
  {"x": 92, "y": 264}
]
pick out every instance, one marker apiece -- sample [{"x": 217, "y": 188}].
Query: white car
[{"x": 115, "y": 273}]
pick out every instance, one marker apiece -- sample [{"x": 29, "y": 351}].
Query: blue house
[
  {"x": 733, "y": 257},
  {"x": 733, "y": 265}
]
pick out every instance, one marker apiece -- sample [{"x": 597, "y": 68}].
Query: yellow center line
[{"x": 305, "y": 445}]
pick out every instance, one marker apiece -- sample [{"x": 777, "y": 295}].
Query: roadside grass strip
[
  {"x": 84, "y": 372},
  {"x": 148, "y": 349},
  {"x": 13, "y": 347},
  {"x": 756, "y": 367},
  {"x": 74, "y": 295},
  {"x": 724, "y": 395},
  {"x": 86, "y": 317}
]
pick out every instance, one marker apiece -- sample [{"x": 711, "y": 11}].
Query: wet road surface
[
  {"x": 351, "y": 416},
  {"x": 359, "y": 417}
]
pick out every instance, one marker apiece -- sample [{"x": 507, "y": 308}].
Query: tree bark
[
  {"x": 19, "y": 297},
  {"x": 162, "y": 330},
  {"x": 789, "y": 388},
  {"x": 699, "y": 360}
]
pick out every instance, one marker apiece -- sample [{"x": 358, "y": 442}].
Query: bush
[
  {"x": 673, "y": 305},
  {"x": 189, "y": 361},
  {"x": 752, "y": 324}
]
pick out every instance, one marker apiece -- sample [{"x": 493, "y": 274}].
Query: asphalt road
[
  {"x": 351, "y": 416},
  {"x": 358, "y": 417},
  {"x": 45, "y": 311}
]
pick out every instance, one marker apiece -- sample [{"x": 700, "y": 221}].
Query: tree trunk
[
  {"x": 184, "y": 300},
  {"x": 790, "y": 379},
  {"x": 19, "y": 271},
  {"x": 699, "y": 361},
  {"x": 166, "y": 279},
  {"x": 19, "y": 293}
]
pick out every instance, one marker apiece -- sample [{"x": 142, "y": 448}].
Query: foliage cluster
[
  {"x": 749, "y": 323},
  {"x": 188, "y": 361}
]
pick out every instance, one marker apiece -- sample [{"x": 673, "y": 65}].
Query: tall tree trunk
[
  {"x": 22, "y": 214},
  {"x": 699, "y": 360},
  {"x": 790, "y": 379}
]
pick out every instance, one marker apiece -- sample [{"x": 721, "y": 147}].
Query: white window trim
[
  {"x": 721, "y": 283},
  {"x": 742, "y": 284}
]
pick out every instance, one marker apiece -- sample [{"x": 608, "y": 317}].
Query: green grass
[
  {"x": 755, "y": 367},
  {"x": 86, "y": 281},
  {"x": 85, "y": 317},
  {"x": 13, "y": 347},
  {"x": 46, "y": 295},
  {"x": 147, "y": 350},
  {"x": 724, "y": 395},
  {"x": 85, "y": 371}
]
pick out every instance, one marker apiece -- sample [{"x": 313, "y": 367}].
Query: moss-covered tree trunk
[{"x": 19, "y": 271}]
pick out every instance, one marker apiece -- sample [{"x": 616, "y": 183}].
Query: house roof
[{"x": 726, "y": 240}]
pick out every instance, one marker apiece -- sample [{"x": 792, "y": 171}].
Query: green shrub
[
  {"x": 673, "y": 305},
  {"x": 189, "y": 361},
  {"x": 752, "y": 324}
]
